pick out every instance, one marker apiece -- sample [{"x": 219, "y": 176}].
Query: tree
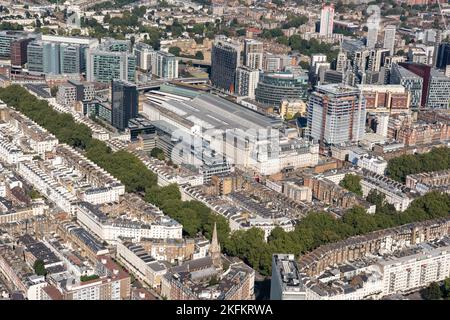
[
  {"x": 283, "y": 40},
  {"x": 175, "y": 51},
  {"x": 213, "y": 281},
  {"x": 295, "y": 21},
  {"x": 436, "y": 23},
  {"x": 359, "y": 220},
  {"x": 376, "y": 197},
  {"x": 34, "y": 194},
  {"x": 446, "y": 288},
  {"x": 75, "y": 32},
  {"x": 10, "y": 26},
  {"x": 437, "y": 159},
  {"x": 272, "y": 33},
  {"x": 199, "y": 55},
  {"x": 198, "y": 28},
  {"x": 248, "y": 245},
  {"x": 304, "y": 65},
  {"x": 139, "y": 11},
  {"x": 351, "y": 182},
  {"x": 433, "y": 292},
  {"x": 241, "y": 32},
  {"x": 157, "y": 153},
  {"x": 312, "y": 46},
  {"x": 176, "y": 28},
  {"x": 39, "y": 268},
  {"x": 53, "y": 91},
  {"x": 159, "y": 195}
]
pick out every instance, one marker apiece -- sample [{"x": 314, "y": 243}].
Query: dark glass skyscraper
[
  {"x": 224, "y": 62},
  {"x": 443, "y": 57},
  {"x": 124, "y": 103}
]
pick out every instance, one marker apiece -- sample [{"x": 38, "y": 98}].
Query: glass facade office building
[
  {"x": 6, "y": 38},
  {"x": 104, "y": 66},
  {"x": 35, "y": 57},
  {"x": 124, "y": 103},
  {"x": 412, "y": 82},
  {"x": 70, "y": 57},
  {"x": 438, "y": 91},
  {"x": 274, "y": 87},
  {"x": 443, "y": 56},
  {"x": 55, "y": 58},
  {"x": 224, "y": 62},
  {"x": 166, "y": 65}
]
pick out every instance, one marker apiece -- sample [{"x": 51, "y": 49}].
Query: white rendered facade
[
  {"x": 395, "y": 193},
  {"x": 112, "y": 230},
  {"x": 166, "y": 66},
  {"x": 372, "y": 164},
  {"x": 9, "y": 153},
  {"x": 140, "y": 264},
  {"x": 246, "y": 81},
  {"x": 389, "y": 38},
  {"x": 47, "y": 186},
  {"x": 398, "y": 272}
]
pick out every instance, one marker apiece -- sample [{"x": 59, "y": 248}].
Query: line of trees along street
[
  {"x": 316, "y": 229},
  {"x": 437, "y": 159}
]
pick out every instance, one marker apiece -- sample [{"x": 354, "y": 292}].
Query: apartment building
[
  {"x": 47, "y": 186},
  {"x": 20, "y": 274},
  {"x": 92, "y": 218},
  {"x": 386, "y": 98},
  {"x": 428, "y": 181},
  {"x": 396, "y": 193},
  {"x": 112, "y": 283},
  {"x": 138, "y": 261},
  {"x": 336, "y": 114}
]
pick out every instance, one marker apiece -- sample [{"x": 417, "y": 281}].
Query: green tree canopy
[
  {"x": 175, "y": 51},
  {"x": 157, "y": 153},
  {"x": 351, "y": 182},
  {"x": 433, "y": 292},
  {"x": 39, "y": 268},
  {"x": 435, "y": 160},
  {"x": 199, "y": 55}
]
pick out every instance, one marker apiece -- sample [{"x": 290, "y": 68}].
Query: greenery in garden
[
  {"x": 437, "y": 292},
  {"x": 157, "y": 153},
  {"x": 39, "y": 268},
  {"x": 351, "y": 182},
  {"x": 89, "y": 278}
]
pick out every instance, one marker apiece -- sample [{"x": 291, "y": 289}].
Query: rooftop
[{"x": 213, "y": 112}]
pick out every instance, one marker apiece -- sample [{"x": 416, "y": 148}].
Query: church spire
[{"x": 214, "y": 249}]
